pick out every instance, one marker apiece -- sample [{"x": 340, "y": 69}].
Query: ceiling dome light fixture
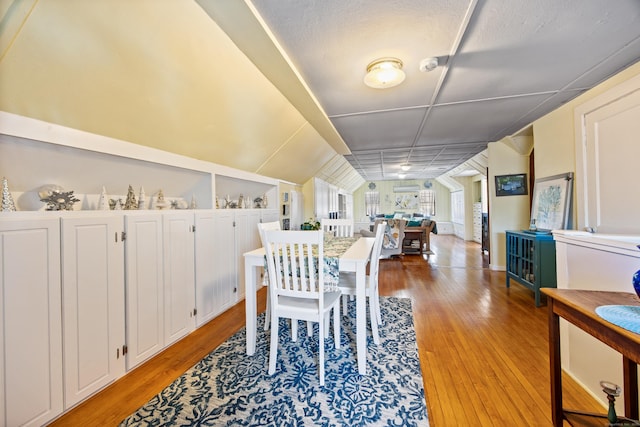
[
  {"x": 402, "y": 175},
  {"x": 405, "y": 166},
  {"x": 383, "y": 73}
]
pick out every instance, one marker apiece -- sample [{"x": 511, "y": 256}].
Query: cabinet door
[
  {"x": 93, "y": 297},
  {"x": 224, "y": 260},
  {"x": 269, "y": 215},
  {"x": 205, "y": 271},
  {"x": 247, "y": 239},
  {"x": 179, "y": 281},
  {"x": 144, "y": 287},
  {"x": 31, "y": 323}
]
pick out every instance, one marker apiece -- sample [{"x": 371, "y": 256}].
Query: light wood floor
[{"x": 482, "y": 347}]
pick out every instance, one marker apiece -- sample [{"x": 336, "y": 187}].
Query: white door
[
  {"x": 205, "y": 270},
  {"x": 144, "y": 287},
  {"x": 247, "y": 239},
  {"x": 297, "y": 210},
  {"x": 93, "y": 297},
  {"x": 179, "y": 280},
  {"x": 606, "y": 160},
  {"x": 224, "y": 260},
  {"x": 31, "y": 323}
]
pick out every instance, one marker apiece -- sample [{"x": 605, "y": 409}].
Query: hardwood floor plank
[{"x": 483, "y": 348}]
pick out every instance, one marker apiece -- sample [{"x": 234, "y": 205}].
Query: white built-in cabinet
[
  {"x": 88, "y": 296},
  {"x": 236, "y": 232},
  {"x": 31, "y": 385},
  {"x": 160, "y": 281},
  {"x": 179, "y": 275},
  {"x": 224, "y": 260},
  {"x": 222, "y": 237},
  {"x": 269, "y": 215},
  {"x": 144, "y": 287},
  {"x": 93, "y": 301},
  {"x": 205, "y": 285},
  {"x": 80, "y": 307},
  {"x": 247, "y": 238}
]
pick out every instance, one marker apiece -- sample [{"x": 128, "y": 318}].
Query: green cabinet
[{"x": 531, "y": 260}]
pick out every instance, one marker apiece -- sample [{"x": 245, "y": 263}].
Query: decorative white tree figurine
[
  {"x": 142, "y": 199},
  {"x": 131, "y": 203},
  {"x": 159, "y": 202},
  {"x": 103, "y": 201},
  {"x": 7, "y": 201}
]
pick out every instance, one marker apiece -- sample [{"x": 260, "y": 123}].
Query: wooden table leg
[
  {"x": 555, "y": 367},
  {"x": 630, "y": 375}
]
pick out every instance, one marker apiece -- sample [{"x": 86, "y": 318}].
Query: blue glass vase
[{"x": 636, "y": 282}]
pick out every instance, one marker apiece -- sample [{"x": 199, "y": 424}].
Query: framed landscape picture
[
  {"x": 511, "y": 185},
  {"x": 551, "y": 201}
]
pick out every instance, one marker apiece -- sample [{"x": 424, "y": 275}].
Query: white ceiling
[{"x": 504, "y": 63}]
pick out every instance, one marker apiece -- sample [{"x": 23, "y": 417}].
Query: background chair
[
  {"x": 296, "y": 287},
  {"x": 262, "y": 226},
  {"x": 275, "y": 225},
  {"x": 339, "y": 227},
  {"x": 347, "y": 284},
  {"x": 393, "y": 236}
]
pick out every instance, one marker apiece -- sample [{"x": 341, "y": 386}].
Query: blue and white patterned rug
[{"x": 229, "y": 388}]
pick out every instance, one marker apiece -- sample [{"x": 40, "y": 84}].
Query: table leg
[
  {"x": 630, "y": 375},
  {"x": 361, "y": 319},
  {"x": 250, "y": 305},
  {"x": 555, "y": 367}
]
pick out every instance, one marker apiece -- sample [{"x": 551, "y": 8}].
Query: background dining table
[{"x": 349, "y": 254}]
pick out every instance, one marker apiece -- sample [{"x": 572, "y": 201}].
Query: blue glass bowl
[{"x": 636, "y": 282}]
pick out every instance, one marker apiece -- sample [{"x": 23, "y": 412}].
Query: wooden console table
[
  {"x": 409, "y": 236},
  {"x": 578, "y": 307},
  {"x": 422, "y": 234}
]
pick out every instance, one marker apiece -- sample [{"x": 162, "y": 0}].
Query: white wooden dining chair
[
  {"x": 296, "y": 287},
  {"x": 339, "y": 227},
  {"x": 262, "y": 226},
  {"x": 347, "y": 284}
]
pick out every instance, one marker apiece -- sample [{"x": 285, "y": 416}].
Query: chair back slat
[
  {"x": 295, "y": 262},
  {"x": 376, "y": 251},
  {"x": 262, "y": 226},
  {"x": 338, "y": 227}
]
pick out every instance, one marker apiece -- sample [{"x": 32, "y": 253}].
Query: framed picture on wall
[
  {"x": 551, "y": 202},
  {"x": 511, "y": 185}
]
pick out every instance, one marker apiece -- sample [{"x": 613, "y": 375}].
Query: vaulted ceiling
[
  {"x": 276, "y": 86},
  {"x": 502, "y": 65},
  {"x": 156, "y": 73}
]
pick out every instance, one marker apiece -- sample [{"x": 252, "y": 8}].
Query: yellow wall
[
  {"x": 554, "y": 145},
  {"x": 505, "y": 212}
]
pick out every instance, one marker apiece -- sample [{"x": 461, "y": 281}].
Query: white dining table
[{"x": 355, "y": 260}]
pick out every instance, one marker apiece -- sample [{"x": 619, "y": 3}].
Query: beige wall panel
[
  {"x": 116, "y": 69},
  {"x": 302, "y": 156}
]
